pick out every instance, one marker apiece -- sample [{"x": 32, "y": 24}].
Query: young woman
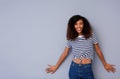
[{"x": 82, "y": 41}]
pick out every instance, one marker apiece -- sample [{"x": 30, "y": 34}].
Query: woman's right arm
[{"x": 52, "y": 69}]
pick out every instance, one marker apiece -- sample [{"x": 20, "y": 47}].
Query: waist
[{"x": 82, "y": 60}]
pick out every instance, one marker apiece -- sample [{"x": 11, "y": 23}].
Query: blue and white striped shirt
[{"x": 82, "y": 47}]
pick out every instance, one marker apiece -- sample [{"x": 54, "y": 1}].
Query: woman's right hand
[{"x": 51, "y": 69}]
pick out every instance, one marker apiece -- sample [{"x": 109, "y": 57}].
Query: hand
[
  {"x": 110, "y": 67},
  {"x": 51, "y": 69}
]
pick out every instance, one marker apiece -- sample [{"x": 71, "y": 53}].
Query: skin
[{"x": 78, "y": 27}]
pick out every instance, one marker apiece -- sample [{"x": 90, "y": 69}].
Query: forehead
[{"x": 80, "y": 21}]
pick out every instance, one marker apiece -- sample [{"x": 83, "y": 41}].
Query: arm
[
  {"x": 107, "y": 66},
  {"x": 51, "y": 68}
]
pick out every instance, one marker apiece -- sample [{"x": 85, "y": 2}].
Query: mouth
[{"x": 79, "y": 30}]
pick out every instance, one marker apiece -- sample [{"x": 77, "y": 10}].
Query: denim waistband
[{"x": 81, "y": 64}]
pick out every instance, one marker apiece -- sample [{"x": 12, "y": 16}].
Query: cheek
[
  {"x": 81, "y": 26},
  {"x": 75, "y": 27}
]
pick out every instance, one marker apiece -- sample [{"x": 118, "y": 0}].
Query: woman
[{"x": 82, "y": 41}]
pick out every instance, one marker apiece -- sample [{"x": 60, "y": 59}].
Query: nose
[{"x": 79, "y": 26}]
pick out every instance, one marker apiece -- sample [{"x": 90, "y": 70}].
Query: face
[{"x": 79, "y": 26}]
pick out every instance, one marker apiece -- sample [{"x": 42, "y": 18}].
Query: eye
[{"x": 81, "y": 23}]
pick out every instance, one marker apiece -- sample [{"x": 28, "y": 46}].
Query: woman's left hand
[{"x": 110, "y": 67}]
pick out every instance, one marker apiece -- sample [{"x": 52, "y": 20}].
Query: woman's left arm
[{"x": 107, "y": 66}]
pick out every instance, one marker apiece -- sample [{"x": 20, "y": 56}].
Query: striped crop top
[{"x": 82, "y": 47}]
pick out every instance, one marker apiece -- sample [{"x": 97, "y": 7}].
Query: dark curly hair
[{"x": 71, "y": 32}]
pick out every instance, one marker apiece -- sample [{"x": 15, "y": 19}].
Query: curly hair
[{"x": 72, "y": 33}]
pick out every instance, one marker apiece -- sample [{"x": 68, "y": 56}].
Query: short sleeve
[
  {"x": 68, "y": 43},
  {"x": 94, "y": 38}
]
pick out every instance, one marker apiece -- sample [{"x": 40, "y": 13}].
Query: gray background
[{"x": 33, "y": 34}]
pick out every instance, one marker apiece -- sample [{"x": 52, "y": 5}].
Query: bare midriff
[{"x": 82, "y": 60}]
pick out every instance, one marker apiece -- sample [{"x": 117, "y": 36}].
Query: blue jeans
[{"x": 80, "y": 71}]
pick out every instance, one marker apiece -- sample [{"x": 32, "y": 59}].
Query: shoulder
[
  {"x": 94, "y": 34},
  {"x": 94, "y": 38}
]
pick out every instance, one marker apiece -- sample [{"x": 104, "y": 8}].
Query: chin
[{"x": 79, "y": 32}]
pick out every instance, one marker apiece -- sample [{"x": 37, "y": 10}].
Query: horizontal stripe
[{"x": 82, "y": 47}]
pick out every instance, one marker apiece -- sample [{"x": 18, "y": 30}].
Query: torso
[
  {"x": 82, "y": 47},
  {"x": 82, "y": 61}
]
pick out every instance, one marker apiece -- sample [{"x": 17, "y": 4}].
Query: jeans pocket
[
  {"x": 73, "y": 66},
  {"x": 88, "y": 69}
]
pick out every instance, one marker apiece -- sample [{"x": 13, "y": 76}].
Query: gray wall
[{"x": 33, "y": 34}]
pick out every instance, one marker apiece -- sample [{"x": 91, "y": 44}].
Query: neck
[{"x": 80, "y": 34}]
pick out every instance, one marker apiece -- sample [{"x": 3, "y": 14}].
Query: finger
[
  {"x": 52, "y": 72},
  {"x": 49, "y": 65},
  {"x": 112, "y": 65},
  {"x": 113, "y": 70},
  {"x": 108, "y": 70},
  {"x": 48, "y": 70}
]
